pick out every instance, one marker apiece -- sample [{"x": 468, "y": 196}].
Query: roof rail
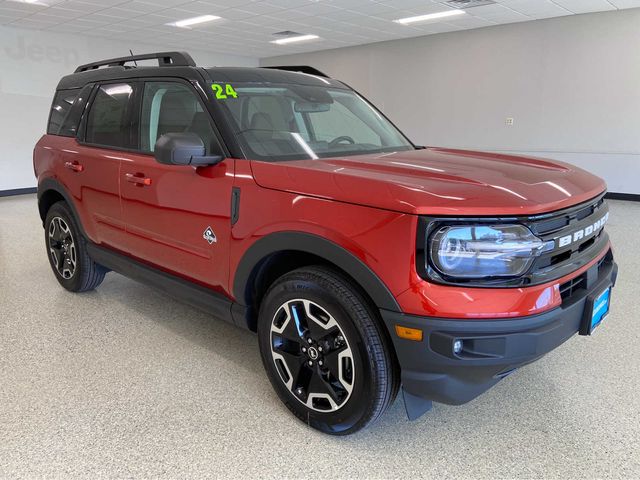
[
  {"x": 165, "y": 59},
  {"x": 302, "y": 69}
]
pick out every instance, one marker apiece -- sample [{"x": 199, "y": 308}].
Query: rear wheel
[
  {"x": 324, "y": 351},
  {"x": 67, "y": 251}
]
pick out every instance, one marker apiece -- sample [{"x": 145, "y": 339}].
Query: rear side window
[
  {"x": 60, "y": 110},
  {"x": 108, "y": 121}
]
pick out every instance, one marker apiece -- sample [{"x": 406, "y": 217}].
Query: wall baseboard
[
  {"x": 17, "y": 191},
  {"x": 631, "y": 197}
]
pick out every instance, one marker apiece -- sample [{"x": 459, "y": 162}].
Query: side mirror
[{"x": 183, "y": 149}]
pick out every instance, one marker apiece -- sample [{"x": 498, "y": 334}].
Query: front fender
[{"x": 321, "y": 247}]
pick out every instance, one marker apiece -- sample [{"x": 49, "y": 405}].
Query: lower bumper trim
[{"x": 491, "y": 349}]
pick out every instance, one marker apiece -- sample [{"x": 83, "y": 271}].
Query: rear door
[
  {"x": 177, "y": 217},
  {"x": 91, "y": 165}
]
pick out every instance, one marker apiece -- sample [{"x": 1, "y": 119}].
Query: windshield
[{"x": 294, "y": 122}]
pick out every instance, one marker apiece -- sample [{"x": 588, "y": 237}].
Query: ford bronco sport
[{"x": 280, "y": 200}]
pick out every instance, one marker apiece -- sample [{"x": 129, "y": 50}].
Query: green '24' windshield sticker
[{"x": 224, "y": 93}]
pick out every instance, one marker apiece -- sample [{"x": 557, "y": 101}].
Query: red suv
[{"x": 280, "y": 200}]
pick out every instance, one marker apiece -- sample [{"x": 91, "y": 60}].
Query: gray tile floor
[{"x": 123, "y": 382}]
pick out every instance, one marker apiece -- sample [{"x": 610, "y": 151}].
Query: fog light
[{"x": 457, "y": 346}]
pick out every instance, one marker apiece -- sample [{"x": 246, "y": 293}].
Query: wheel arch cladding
[
  {"x": 297, "y": 249},
  {"x": 46, "y": 200},
  {"x": 51, "y": 191}
]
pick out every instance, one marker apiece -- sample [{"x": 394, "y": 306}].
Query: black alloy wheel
[{"x": 326, "y": 351}]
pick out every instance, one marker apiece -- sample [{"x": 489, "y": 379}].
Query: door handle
[
  {"x": 74, "y": 166},
  {"x": 138, "y": 179}
]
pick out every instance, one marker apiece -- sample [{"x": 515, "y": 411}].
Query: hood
[{"x": 436, "y": 181}]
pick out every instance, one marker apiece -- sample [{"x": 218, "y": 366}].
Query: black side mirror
[{"x": 183, "y": 149}]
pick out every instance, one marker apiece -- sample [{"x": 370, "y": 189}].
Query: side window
[
  {"x": 71, "y": 122},
  {"x": 170, "y": 107},
  {"x": 60, "y": 109},
  {"x": 107, "y": 122}
]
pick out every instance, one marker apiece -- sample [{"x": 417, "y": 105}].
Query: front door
[{"x": 177, "y": 217}]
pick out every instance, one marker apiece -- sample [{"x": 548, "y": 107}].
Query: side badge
[{"x": 209, "y": 236}]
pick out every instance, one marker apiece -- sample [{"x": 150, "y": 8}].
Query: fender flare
[
  {"x": 319, "y": 246},
  {"x": 51, "y": 184}
]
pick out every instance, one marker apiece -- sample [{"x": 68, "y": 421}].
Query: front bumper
[{"x": 493, "y": 348}]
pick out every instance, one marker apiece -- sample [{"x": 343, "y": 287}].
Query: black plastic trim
[
  {"x": 235, "y": 205},
  {"x": 631, "y": 197},
  {"x": 301, "y": 69},
  {"x": 76, "y": 80},
  {"x": 195, "y": 295},
  {"x": 313, "y": 244},
  {"x": 51, "y": 184},
  {"x": 492, "y": 348},
  {"x": 18, "y": 191},
  {"x": 165, "y": 59},
  {"x": 599, "y": 285}
]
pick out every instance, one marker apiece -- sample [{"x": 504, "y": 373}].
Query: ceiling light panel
[
  {"x": 188, "y": 22},
  {"x": 430, "y": 16},
  {"x": 300, "y": 38}
]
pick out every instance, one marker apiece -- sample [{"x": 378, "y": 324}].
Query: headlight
[{"x": 477, "y": 251}]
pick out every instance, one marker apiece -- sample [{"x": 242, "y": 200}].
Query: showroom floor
[{"x": 124, "y": 382}]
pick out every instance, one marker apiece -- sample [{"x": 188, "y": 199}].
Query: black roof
[
  {"x": 181, "y": 65},
  {"x": 269, "y": 75}
]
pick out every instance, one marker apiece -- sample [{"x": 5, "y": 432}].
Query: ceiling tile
[
  {"x": 14, "y": 14},
  {"x": 24, "y": 8},
  {"x": 536, "y": 7},
  {"x": 247, "y": 26},
  {"x": 585, "y": 6},
  {"x": 626, "y": 3},
  {"x": 105, "y": 3},
  {"x": 470, "y": 22},
  {"x": 485, "y": 10},
  {"x": 82, "y": 7},
  {"x": 28, "y": 23},
  {"x": 62, "y": 14},
  {"x": 288, "y": 3}
]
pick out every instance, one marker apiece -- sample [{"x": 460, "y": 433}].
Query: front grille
[
  {"x": 558, "y": 221},
  {"x": 567, "y": 289},
  {"x": 570, "y": 287},
  {"x": 577, "y": 233}
]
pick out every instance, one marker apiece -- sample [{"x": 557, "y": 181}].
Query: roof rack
[
  {"x": 302, "y": 69},
  {"x": 165, "y": 59}
]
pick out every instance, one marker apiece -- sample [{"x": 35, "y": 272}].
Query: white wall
[
  {"x": 572, "y": 85},
  {"x": 31, "y": 63}
]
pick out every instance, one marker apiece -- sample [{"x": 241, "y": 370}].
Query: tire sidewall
[
  {"x": 356, "y": 410},
  {"x": 61, "y": 210}
]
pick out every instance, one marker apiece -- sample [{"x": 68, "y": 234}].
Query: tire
[
  {"x": 325, "y": 352},
  {"x": 67, "y": 251}
]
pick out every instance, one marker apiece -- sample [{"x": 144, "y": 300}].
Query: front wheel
[{"x": 325, "y": 352}]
